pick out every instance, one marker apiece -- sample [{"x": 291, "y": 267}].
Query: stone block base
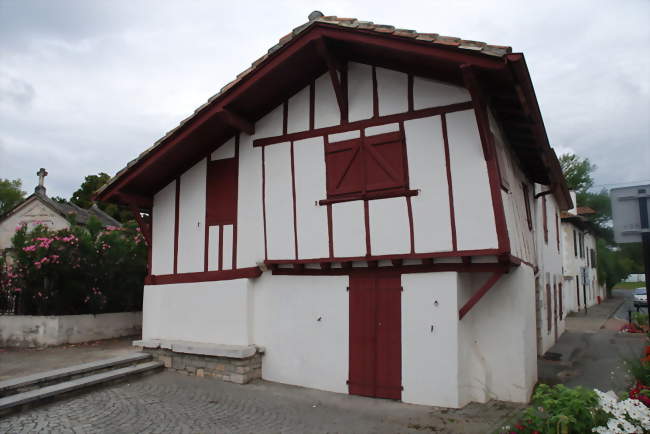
[{"x": 235, "y": 370}]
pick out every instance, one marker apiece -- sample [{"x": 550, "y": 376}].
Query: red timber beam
[
  {"x": 335, "y": 67},
  {"x": 205, "y": 276},
  {"x": 479, "y": 294},
  {"x": 238, "y": 122},
  {"x": 479, "y": 102},
  {"x": 135, "y": 204}
]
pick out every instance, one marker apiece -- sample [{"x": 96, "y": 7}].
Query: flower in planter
[{"x": 627, "y": 416}]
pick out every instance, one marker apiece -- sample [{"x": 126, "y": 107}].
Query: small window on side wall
[
  {"x": 221, "y": 192},
  {"x": 529, "y": 217},
  {"x": 367, "y": 167}
]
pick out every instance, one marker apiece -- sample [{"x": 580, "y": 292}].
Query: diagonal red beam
[
  {"x": 479, "y": 294},
  {"x": 333, "y": 66},
  {"x": 145, "y": 228}
]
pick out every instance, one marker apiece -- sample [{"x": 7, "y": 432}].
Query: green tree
[
  {"x": 83, "y": 197},
  {"x": 11, "y": 193},
  {"x": 577, "y": 172}
]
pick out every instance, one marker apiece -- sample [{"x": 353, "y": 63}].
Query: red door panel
[
  {"x": 389, "y": 338},
  {"x": 375, "y": 367},
  {"x": 362, "y": 337}
]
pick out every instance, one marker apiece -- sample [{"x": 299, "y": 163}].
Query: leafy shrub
[
  {"x": 639, "y": 369},
  {"x": 640, "y": 319},
  {"x": 78, "y": 270},
  {"x": 559, "y": 409}
]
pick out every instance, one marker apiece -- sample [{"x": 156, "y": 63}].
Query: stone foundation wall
[{"x": 235, "y": 370}]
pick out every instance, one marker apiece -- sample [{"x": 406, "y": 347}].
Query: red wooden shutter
[
  {"x": 221, "y": 203},
  {"x": 561, "y": 302},
  {"x": 529, "y": 218},
  {"x": 344, "y": 168},
  {"x": 366, "y": 165},
  {"x": 385, "y": 162},
  {"x": 545, "y": 219}
]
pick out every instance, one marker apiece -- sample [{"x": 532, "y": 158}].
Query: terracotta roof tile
[{"x": 433, "y": 38}]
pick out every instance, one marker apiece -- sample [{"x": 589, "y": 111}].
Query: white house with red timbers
[{"x": 357, "y": 213}]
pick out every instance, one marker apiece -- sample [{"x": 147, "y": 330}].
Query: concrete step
[
  {"x": 20, "y": 400},
  {"x": 42, "y": 379}
]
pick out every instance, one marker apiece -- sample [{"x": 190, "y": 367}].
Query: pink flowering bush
[{"x": 73, "y": 271}]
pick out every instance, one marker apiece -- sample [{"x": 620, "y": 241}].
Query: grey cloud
[{"x": 111, "y": 77}]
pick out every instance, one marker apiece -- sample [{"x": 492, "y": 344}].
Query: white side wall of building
[
  {"x": 191, "y": 219},
  {"x": 162, "y": 230},
  {"x": 498, "y": 358},
  {"x": 250, "y": 222},
  {"x": 279, "y": 201},
  {"x": 302, "y": 321},
  {"x": 209, "y": 312},
  {"x": 475, "y": 224},
  {"x": 430, "y": 365},
  {"x": 428, "y": 172}
]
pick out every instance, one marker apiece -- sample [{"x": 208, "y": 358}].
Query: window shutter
[
  {"x": 384, "y": 161},
  {"x": 344, "y": 168},
  {"x": 221, "y": 192}
]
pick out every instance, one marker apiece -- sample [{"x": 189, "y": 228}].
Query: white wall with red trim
[
  {"x": 550, "y": 271},
  {"x": 280, "y": 184}
]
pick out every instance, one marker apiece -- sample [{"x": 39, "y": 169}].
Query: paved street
[
  {"x": 172, "y": 403},
  {"x": 592, "y": 349},
  {"x": 627, "y": 294}
]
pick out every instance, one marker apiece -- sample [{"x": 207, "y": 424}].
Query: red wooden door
[{"x": 375, "y": 336}]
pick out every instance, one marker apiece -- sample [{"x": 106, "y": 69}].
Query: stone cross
[{"x": 42, "y": 173}]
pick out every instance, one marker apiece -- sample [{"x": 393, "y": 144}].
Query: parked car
[{"x": 640, "y": 298}]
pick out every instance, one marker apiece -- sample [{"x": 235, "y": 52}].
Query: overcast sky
[{"x": 85, "y": 86}]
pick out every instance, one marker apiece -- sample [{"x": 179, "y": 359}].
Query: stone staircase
[{"x": 19, "y": 393}]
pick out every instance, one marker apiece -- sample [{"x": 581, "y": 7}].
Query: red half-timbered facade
[{"x": 367, "y": 188}]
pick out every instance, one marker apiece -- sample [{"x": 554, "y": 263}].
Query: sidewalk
[
  {"x": 595, "y": 318},
  {"x": 19, "y": 362},
  {"x": 593, "y": 351}
]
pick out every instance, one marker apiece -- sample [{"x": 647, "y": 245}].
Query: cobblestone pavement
[{"x": 173, "y": 403}]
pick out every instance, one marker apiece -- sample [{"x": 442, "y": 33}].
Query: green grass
[{"x": 629, "y": 285}]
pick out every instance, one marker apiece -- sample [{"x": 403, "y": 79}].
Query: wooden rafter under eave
[{"x": 335, "y": 67}]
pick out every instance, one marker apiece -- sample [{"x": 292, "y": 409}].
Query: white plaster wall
[
  {"x": 162, "y": 230},
  {"x": 40, "y": 331},
  {"x": 348, "y": 229},
  {"x": 549, "y": 261},
  {"x": 475, "y": 226},
  {"x": 227, "y": 150},
  {"x": 210, "y": 312},
  {"x": 392, "y": 91},
  {"x": 213, "y": 248},
  {"x": 191, "y": 216},
  {"x": 31, "y": 211},
  {"x": 298, "y": 112},
  {"x": 431, "y": 93},
  {"x": 326, "y": 108},
  {"x": 311, "y": 219},
  {"x": 270, "y": 124},
  {"x": 250, "y": 222},
  {"x": 389, "y": 226},
  {"x": 279, "y": 201},
  {"x": 430, "y": 371},
  {"x": 300, "y": 348},
  {"x": 428, "y": 173},
  {"x": 360, "y": 92},
  {"x": 497, "y": 338},
  {"x": 226, "y": 259},
  {"x": 521, "y": 237}
]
